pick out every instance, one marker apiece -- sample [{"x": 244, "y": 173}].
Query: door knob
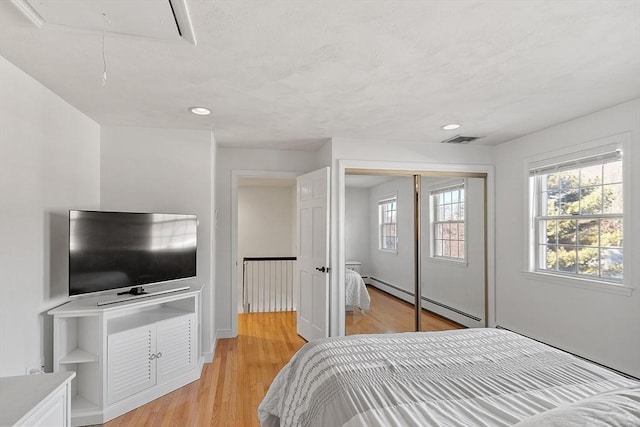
[{"x": 323, "y": 269}]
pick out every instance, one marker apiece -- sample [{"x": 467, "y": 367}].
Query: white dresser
[{"x": 36, "y": 400}]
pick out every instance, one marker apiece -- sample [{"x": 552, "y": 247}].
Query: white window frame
[
  {"x": 447, "y": 187},
  {"x": 382, "y": 202},
  {"x": 576, "y": 154}
]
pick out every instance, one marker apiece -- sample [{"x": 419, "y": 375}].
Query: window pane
[
  {"x": 591, "y": 200},
  {"x": 446, "y": 248},
  {"x": 453, "y": 231},
  {"x": 551, "y": 257},
  {"x": 569, "y": 202},
  {"x": 447, "y": 197},
  {"x": 447, "y": 213},
  {"x": 550, "y": 181},
  {"x": 455, "y": 249},
  {"x": 567, "y": 231},
  {"x": 567, "y": 259},
  {"x": 569, "y": 179},
  {"x": 462, "y": 195},
  {"x": 549, "y": 230},
  {"x": 461, "y": 247},
  {"x": 612, "y": 173},
  {"x": 611, "y": 263},
  {"x": 455, "y": 196},
  {"x": 611, "y": 232},
  {"x": 612, "y": 199},
  {"x": 588, "y": 261},
  {"x": 550, "y": 202},
  {"x": 446, "y": 231},
  {"x": 588, "y": 232},
  {"x": 591, "y": 175},
  {"x": 455, "y": 211},
  {"x": 461, "y": 211}
]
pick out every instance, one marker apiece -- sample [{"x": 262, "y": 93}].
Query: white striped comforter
[
  {"x": 355, "y": 290},
  {"x": 471, "y": 377}
]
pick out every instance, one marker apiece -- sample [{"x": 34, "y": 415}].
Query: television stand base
[
  {"x": 136, "y": 290},
  {"x": 132, "y": 296}
]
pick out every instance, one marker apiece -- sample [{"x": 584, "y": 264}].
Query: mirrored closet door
[{"x": 409, "y": 235}]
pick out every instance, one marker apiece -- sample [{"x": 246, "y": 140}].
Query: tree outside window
[{"x": 579, "y": 219}]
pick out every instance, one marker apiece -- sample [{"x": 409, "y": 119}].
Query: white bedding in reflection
[
  {"x": 356, "y": 294},
  {"x": 471, "y": 377}
]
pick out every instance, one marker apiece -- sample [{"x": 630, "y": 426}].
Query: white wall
[
  {"x": 357, "y": 233},
  {"x": 49, "y": 163},
  {"x": 251, "y": 163},
  {"x": 265, "y": 225},
  {"x": 166, "y": 171},
  {"x": 459, "y": 285},
  {"x": 596, "y": 324},
  {"x": 265, "y": 215}
]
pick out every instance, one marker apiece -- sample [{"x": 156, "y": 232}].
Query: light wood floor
[
  {"x": 232, "y": 386},
  {"x": 389, "y": 314}
]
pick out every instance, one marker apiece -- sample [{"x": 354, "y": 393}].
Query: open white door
[{"x": 313, "y": 254}]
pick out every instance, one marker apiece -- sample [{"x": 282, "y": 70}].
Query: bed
[
  {"x": 469, "y": 377},
  {"x": 356, "y": 293}
]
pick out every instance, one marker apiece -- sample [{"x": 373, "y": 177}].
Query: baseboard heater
[{"x": 425, "y": 299}]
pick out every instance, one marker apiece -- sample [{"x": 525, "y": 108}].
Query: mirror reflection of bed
[{"x": 380, "y": 250}]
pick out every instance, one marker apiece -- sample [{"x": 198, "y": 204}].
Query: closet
[{"x": 435, "y": 271}]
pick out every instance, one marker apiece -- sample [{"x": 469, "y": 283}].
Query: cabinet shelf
[
  {"x": 80, "y": 404},
  {"x": 78, "y": 355},
  {"x": 144, "y": 318}
]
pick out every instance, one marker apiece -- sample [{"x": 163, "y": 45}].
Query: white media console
[{"x": 128, "y": 353}]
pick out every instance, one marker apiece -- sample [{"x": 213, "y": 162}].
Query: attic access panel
[{"x": 154, "y": 19}]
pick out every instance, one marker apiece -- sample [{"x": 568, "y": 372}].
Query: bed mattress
[
  {"x": 356, "y": 293},
  {"x": 471, "y": 377}
]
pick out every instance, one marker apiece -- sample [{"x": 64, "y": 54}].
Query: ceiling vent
[{"x": 460, "y": 139}]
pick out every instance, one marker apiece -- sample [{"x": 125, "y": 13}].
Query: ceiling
[{"x": 292, "y": 74}]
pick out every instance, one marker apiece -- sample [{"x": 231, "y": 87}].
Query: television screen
[{"x": 113, "y": 250}]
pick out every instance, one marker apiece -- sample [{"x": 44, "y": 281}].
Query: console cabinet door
[
  {"x": 176, "y": 349},
  {"x": 131, "y": 362}
]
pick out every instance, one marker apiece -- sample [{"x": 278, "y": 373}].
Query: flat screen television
[{"x": 118, "y": 250}]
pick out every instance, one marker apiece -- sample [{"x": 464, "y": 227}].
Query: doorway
[{"x": 263, "y": 243}]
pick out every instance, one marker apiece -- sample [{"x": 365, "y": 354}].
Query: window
[
  {"x": 448, "y": 225},
  {"x": 387, "y": 217},
  {"x": 578, "y": 218}
]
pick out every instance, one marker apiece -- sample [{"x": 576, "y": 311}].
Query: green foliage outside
[{"x": 589, "y": 246}]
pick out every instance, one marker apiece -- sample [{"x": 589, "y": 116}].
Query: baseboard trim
[
  {"x": 224, "y": 333},
  {"x": 427, "y": 300}
]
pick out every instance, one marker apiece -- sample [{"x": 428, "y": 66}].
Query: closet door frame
[{"x": 415, "y": 171}]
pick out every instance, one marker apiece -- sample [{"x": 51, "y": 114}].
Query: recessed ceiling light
[
  {"x": 451, "y": 126},
  {"x": 201, "y": 111}
]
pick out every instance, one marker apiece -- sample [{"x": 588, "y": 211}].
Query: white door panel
[{"x": 313, "y": 254}]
